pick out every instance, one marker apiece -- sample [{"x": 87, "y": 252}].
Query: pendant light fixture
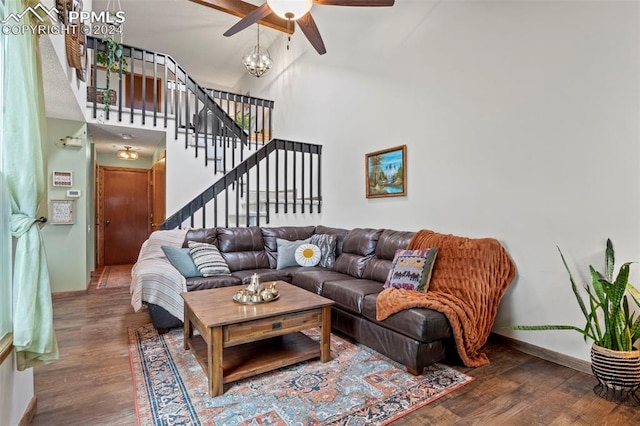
[{"x": 258, "y": 60}]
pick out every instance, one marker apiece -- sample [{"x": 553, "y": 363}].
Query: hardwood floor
[{"x": 91, "y": 382}]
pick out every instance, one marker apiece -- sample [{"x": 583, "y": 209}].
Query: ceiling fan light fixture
[
  {"x": 127, "y": 154},
  {"x": 290, "y": 9}
]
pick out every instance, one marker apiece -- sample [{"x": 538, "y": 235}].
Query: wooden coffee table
[{"x": 238, "y": 341}]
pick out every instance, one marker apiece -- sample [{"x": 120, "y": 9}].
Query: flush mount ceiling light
[
  {"x": 127, "y": 154},
  {"x": 290, "y": 9},
  {"x": 258, "y": 60}
]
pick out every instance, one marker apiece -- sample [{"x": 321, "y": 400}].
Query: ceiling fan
[{"x": 287, "y": 12}]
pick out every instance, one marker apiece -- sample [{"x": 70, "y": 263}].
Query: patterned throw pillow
[
  {"x": 327, "y": 245},
  {"x": 287, "y": 252},
  {"x": 208, "y": 259},
  {"x": 411, "y": 269},
  {"x": 307, "y": 255}
]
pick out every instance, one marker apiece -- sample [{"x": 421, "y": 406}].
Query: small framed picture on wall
[{"x": 386, "y": 172}]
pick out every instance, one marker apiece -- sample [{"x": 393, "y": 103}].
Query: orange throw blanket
[{"x": 469, "y": 278}]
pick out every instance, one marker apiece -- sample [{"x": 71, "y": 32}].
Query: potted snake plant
[{"x": 612, "y": 325}]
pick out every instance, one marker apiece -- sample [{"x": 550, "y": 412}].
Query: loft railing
[
  {"x": 282, "y": 174},
  {"x": 156, "y": 88}
]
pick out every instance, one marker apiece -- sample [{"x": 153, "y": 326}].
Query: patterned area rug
[
  {"x": 115, "y": 276},
  {"x": 357, "y": 387}
]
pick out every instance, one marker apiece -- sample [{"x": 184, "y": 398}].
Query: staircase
[{"x": 254, "y": 177}]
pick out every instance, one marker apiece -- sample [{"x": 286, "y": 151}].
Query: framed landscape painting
[{"x": 386, "y": 172}]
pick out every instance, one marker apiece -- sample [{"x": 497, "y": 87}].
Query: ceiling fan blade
[
  {"x": 249, "y": 20},
  {"x": 364, "y": 3},
  {"x": 241, "y": 9},
  {"x": 310, "y": 30}
]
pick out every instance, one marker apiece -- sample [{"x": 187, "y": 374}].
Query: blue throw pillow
[
  {"x": 287, "y": 252},
  {"x": 181, "y": 259}
]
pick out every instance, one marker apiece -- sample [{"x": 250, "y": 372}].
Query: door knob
[{"x": 108, "y": 222}]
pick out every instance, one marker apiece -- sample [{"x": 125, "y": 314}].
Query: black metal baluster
[
  {"x": 319, "y": 180},
  {"x": 144, "y": 87},
  {"x": 295, "y": 177},
  {"x": 187, "y": 120},
  {"x": 94, "y": 79},
  {"x": 302, "y": 179},
  {"x": 165, "y": 85},
  {"x": 131, "y": 86},
  {"x": 257, "y": 191},
  {"x": 238, "y": 190},
  {"x": 155, "y": 90},
  {"x": 215, "y": 211},
  {"x": 310, "y": 182},
  {"x": 277, "y": 152},
  {"x": 270, "y": 129},
  {"x": 268, "y": 199},
  {"x": 226, "y": 203},
  {"x": 247, "y": 183},
  {"x": 120, "y": 92},
  {"x": 176, "y": 112},
  {"x": 204, "y": 214},
  {"x": 286, "y": 178},
  {"x": 195, "y": 129}
]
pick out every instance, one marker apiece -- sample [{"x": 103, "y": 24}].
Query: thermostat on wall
[{"x": 73, "y": 193}]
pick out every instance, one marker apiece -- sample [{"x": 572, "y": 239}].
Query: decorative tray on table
[{"x": 255, "y": 293}]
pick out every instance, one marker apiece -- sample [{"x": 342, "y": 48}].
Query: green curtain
[{"x": 24, "y": 132}]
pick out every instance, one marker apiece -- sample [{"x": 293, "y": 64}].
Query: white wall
[{"x": 520, "y": 120}]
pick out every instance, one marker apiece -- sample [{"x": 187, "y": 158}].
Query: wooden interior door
[
  {"x": 158, "y": 197},
  {"x": 124, "y": 213},
  {"x": 137, "y": 92}
]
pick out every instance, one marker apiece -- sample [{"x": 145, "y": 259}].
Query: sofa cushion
[
  {"x": 411, "y": 269},
  {"x": 243, "y": 248},
  {"x": 312, "y": 279},
  {"x": 181, "y": 259},
  {"x": 378, "y": 267},
  {"x": 349, "y": 294},
  {"x": 361, "y": 241},
  {"x": 240, "y": 261},
  {"x": 340, "y": 234},
  {"x": 240, "y": 239},
  {"x": 390, "y": 241},
  {"x": 205, "y": 283},
  {"x": 286, "y": 252},
  {"x": 351, "y": 264},
  {"x": 201, "y": 235},
  {"x": 208, "y": 259},
  {"x": 290, "y": 233},
  {"x": 422, "y": 324},
  {"x": 327, "y": 245}
]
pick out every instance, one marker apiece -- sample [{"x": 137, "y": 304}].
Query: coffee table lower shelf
[{"x": 250, "y": 359}]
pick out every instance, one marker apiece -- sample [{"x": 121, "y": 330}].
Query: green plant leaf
[
  {"x": 634, "y": 293},
  {"x": 609, "y": 260},
  {"x": 574, "y": 287}
]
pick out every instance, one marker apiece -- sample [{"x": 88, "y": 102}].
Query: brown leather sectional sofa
[{"x": 414, "y": 337}]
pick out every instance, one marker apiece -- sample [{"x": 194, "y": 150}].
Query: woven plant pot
[
  {"x": 618, "y": 374},
  {"x": 91, "y": 96}
]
